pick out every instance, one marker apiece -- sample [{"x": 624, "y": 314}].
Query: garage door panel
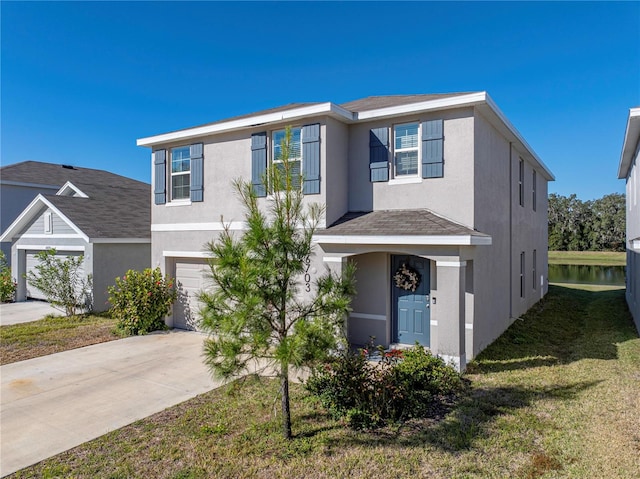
[
  {"x": 32, "y": 261},
  {"x": 191, "y": 278}
]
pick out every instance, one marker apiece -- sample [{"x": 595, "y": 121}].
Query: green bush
[
  {"x": 63, "y": 281},
  {"x": 141, "y": 299},
  {"x": 7, "y": 283},
  {"x": 401, "y": 385}
]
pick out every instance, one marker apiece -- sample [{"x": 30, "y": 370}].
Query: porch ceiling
[{"x": 419, "y": 226}]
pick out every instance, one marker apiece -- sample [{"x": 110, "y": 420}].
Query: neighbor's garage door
[
  {"x": 33, "y": 261},
  {"x": 191, "y": 277}
]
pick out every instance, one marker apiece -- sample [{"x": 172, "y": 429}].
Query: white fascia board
[
  {"x": 293, "y": 114},
  {"x": 438, "y": 104},
  {"x": 40, "y": 247},
  {"x": 70, "y": 186},
  {"x": 29, "y": 212},
  {"x": 631, "y": 144},
  {"x": 186, "y": 254},
  {"x": 463, "y": 240},
  {"x": 216, "y": 226},
  {"x": 120, "y": 240},
  {"x": 501, "y": 116}
]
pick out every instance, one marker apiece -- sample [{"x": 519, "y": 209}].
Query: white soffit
[{"x": 631, "y": 144}]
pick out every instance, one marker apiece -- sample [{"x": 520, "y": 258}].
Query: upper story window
[
  {"x": 521, "y": 182},
  {"x": 181, "y": 173},
  {"x": 534, "y": 180},
  {"x": 295, "y": 156},
  {"x": 406, "y": 150}
]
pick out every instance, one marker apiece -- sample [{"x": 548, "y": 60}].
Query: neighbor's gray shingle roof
[
  {"x": 111, "y": 211},
  {"x": 53, "y": 174},
  {"x": 397, "y": 223},
  {"x": 117, "y": 207}
]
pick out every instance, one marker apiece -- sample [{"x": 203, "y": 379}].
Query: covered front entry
[{"x": 410, "y": 300}]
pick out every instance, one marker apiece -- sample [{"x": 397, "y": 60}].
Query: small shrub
[
  {"x": 63, "y": 281},
  {"x": 141, "y": 299},
  {"x": 400, "y": 386},
  {"x": 8, "y": 285}
]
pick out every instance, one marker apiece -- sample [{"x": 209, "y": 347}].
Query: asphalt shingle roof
[
  {"x": 116, "y": 207},
  {"x": 41, "y": 173},
  {"x": 420, "y": 222},
  {"x": 375, "y": 102}
]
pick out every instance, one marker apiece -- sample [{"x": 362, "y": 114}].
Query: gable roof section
[
  {"x": 365, "y": 109},
  {"x": 110, "y": 212},
  {"x": 399, "y": 226},
  {"x": 631, "y": 143}
]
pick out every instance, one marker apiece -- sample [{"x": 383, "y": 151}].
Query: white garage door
[
  {"x": 191, "y": 278},
  {"x": 33, "y": 261}
]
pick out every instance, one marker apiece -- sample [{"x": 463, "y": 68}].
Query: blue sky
[{"x": 80, "y": 82}]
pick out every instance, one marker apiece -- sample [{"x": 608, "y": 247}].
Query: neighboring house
[
  {"x": 97, "y": 214},
  {"x": 629, "y": 170},
  {"x": 20, "y": 183},
  {"x": 441, "y": 183}
]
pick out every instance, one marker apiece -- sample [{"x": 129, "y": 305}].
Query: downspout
[{"x": 510, "y": 232}]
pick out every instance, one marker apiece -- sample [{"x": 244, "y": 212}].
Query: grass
[
  {"x": 589, "y": 258},
  {"x": 52, "y": 335},
  {"x": 556, "y": 396}
]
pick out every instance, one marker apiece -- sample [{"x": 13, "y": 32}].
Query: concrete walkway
[
  {"x": 25, "y": 311},
  {"x": 53, "y": 403}
]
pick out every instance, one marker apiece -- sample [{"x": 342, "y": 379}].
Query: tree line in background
[{"x": 593, "y": 225}]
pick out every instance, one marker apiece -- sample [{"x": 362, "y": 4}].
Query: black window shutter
[
  {"x": 311, "y": 159},
  {"x": 432, "y": 149},
  {"x": 259, "y": 163},
  {"x": 379, "y": 154},
  {"x": 160, "y": 176},
  {"x": 197, "y": 160}
]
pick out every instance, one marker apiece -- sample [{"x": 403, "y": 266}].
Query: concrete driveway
[
  {"x": 25, "y": 311},
  {"x": 53, "y": 403}
]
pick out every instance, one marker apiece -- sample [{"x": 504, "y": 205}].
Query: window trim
[
  {"x": 418, "y": 174},
  {"x": 187, "y": 199}
]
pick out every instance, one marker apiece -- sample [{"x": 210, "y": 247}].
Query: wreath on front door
[{"x": 407, "y": 278}]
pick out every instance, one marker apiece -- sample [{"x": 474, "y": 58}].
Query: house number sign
[{"x": 307, "y": 274}]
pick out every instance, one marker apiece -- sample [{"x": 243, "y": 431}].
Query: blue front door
[{"x": 411, "y": 308}]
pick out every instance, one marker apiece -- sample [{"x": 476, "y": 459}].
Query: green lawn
[
  {"x": 52, "y": 335},
  {"x": 556, "y": 396},
  {"x": 592, "y": 258}
]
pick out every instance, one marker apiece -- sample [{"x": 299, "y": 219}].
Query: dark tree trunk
[{"x": 286, "y": 411}]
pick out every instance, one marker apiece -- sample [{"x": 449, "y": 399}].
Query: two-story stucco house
[
  {"x": 442, "y": 186},
  {"x": 629, "y": 170}
]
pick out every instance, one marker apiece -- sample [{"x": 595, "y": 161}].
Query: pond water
[{"x": 570, "y": 273}]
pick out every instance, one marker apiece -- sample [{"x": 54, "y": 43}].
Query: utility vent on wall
[{"x": 48, "y": 223}]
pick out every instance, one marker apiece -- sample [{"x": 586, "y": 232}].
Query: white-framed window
[
  {"x": 534, "y": 179},
  {"x": 406, "y": 150},
  {"x": 295, "y": 154},
  {"x": 534, "y": 275},
  {"x": 522, "y": 266},
  {"x": 180, "y": 173},
  {"x": 521, "y": 181}
]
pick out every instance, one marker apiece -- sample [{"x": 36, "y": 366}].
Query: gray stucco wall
[
  {"x": 432, "y": 193},
  {"x": 513, "y": 228},
  {"x": 633, "y": 233},
  {"x": 111, "y": 260}
]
